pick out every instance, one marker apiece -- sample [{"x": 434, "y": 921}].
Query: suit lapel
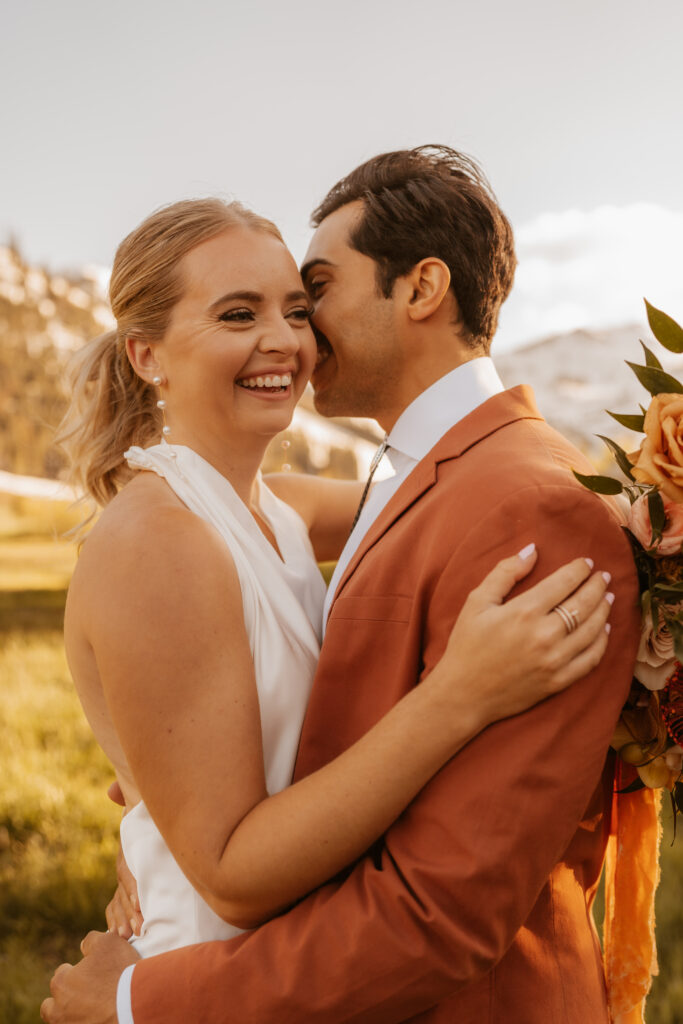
[{"x": 506, "y": 407}]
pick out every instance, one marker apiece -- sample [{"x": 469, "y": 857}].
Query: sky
[{"x": 573, "y": 109}]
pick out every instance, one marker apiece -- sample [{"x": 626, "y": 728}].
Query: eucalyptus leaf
[
  {"x": 655, "y": 506},
  {"x": 650, "y": 357},
  {"x": 656, "y": 381},
  {"x": 678, "y": 795},
  {"x": 669, "y": 588},
  {"x": 667, "y": 332},
  {"x": 631, "y": 422},
  {"x": 599, "y": 484},
  {"x": 621, "y": 458}
]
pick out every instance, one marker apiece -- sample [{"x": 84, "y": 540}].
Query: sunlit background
[{"x": 110, "y": 110}]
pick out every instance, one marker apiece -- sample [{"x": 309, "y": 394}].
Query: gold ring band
[{"x": 569, "y": 618}]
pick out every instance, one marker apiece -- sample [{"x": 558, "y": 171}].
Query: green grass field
[{"x": 58, "y": 830}]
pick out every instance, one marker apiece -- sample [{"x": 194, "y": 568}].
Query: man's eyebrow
[
  {"x": 308, "y": 267},
  {"x": 255, "y": 298}
]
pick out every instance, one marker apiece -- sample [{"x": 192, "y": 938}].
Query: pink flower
[
  {"x": 672, "y": 534},
  {"x": 655, "y": 659},
  {"x": 674, "y": 759}
]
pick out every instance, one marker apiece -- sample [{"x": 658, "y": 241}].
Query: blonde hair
[{"x": 111, "y": 407}]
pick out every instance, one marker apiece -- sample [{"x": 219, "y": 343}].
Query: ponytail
[{"x": 111, "y": 409}]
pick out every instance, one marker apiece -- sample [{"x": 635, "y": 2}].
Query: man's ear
[
  {"x": 143, "y": 358},
  {"x": 429, "y": 282}
]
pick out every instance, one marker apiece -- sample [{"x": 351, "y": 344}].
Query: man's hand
[{"x": 86, "y": 993}]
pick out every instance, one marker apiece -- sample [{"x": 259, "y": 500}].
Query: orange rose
[{"x": 660, "y": 457}]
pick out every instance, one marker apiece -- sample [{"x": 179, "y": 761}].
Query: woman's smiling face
[{"x": 239, "y": 348}]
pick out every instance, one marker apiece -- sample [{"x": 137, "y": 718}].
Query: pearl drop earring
[
  {"x": 286, "y": 467},
  {"x": 161, "y": 404}
]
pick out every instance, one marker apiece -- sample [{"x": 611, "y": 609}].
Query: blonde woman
[{"x": 194, "y": 616}]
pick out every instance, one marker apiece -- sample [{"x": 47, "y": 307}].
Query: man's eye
[
  {"x": 314, "y": 288},
  {"x": 237, "y": 316}
]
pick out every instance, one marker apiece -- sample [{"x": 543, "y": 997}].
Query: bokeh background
[{"x": 109, "y": 111}]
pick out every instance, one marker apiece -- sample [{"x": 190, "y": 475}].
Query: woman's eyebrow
[{"x": 255, "y": 298}]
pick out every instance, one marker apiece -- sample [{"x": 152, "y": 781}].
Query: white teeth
[{"x": 276, "y": 381}]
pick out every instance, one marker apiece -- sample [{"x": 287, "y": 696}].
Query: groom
[{"x": 475, "y": 905}]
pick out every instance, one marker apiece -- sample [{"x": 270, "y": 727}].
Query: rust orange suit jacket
[{"x": 475, "y": 907}]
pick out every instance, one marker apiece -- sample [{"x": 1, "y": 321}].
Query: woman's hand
[
  {"x": 516, "y": 653},
  {"x": 123, "y": 912}
]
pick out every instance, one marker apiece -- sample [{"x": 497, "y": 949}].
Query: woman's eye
[
  {"x": 302, "y": 313},
  {"x": 237, "y": 316}
]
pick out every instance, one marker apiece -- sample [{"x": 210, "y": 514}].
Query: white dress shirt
[{"x": 419, "y": 427}]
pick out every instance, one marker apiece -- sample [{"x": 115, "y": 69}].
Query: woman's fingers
[
  {"x": 580, "y": 606},
  {"x": 128, "y": 893},
  {"x": 117, "y": 917},
  {"x": 557, "y": 587},
  {"x": 581, "y": 665},
  {"x": 497, "y": 584}
]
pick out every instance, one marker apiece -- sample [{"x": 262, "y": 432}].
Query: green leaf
[
  {"x": 676, "y": 631},
  {"x": 655, "y": 507},
  {"x": 669, "y": 588},
  {"x": 633, "y": 422},
  {"x": 667, "y": 332},
  {"x": 656, "y": 381},
  {"x": 599, "y": 484},
  {"x": 674, "y": 815},
  {"x": 678, "y": 795},
  {"x": 650, "y": 357},
  {"x": 620, "y": 456}
]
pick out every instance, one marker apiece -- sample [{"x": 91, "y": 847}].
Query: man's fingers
[
  {"x": 47, "y": 1009},
  {"x": 58, "y": 975},
  {"x": 92, "y": 941}
]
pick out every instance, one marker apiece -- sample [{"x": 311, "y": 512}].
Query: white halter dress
[{"x": 283, "y": 600}]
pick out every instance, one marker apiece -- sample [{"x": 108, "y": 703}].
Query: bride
[{"x": 193, "y": 620}]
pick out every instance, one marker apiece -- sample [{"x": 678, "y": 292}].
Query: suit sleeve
[{"x": 460, "y": 871}]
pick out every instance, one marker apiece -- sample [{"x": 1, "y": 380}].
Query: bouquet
[{"x": 649, "y": 735}]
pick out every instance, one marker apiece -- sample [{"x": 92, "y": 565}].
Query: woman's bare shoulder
[{"x": 146, "y": 539}]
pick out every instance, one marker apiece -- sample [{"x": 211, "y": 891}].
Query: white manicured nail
[
  {"x": 608, "y": 627},
  {"x": 527, "y": 552},
  {"x": 589, "y": 562},
  {"x": 609, "y": 597},
  {"x": 607, "y": 576}
]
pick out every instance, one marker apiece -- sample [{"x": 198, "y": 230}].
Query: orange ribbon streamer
[{"x": 631, "y": 879}]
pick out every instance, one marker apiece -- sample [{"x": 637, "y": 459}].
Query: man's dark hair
[{"x": 432, "y": 201}]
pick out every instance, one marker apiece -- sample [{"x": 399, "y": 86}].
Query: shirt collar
[{"x": 442, "y": 405}]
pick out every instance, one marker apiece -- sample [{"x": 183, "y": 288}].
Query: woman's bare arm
[
  {"x": 177, "y": 671},
  {"x": 326, "y": 506}
]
